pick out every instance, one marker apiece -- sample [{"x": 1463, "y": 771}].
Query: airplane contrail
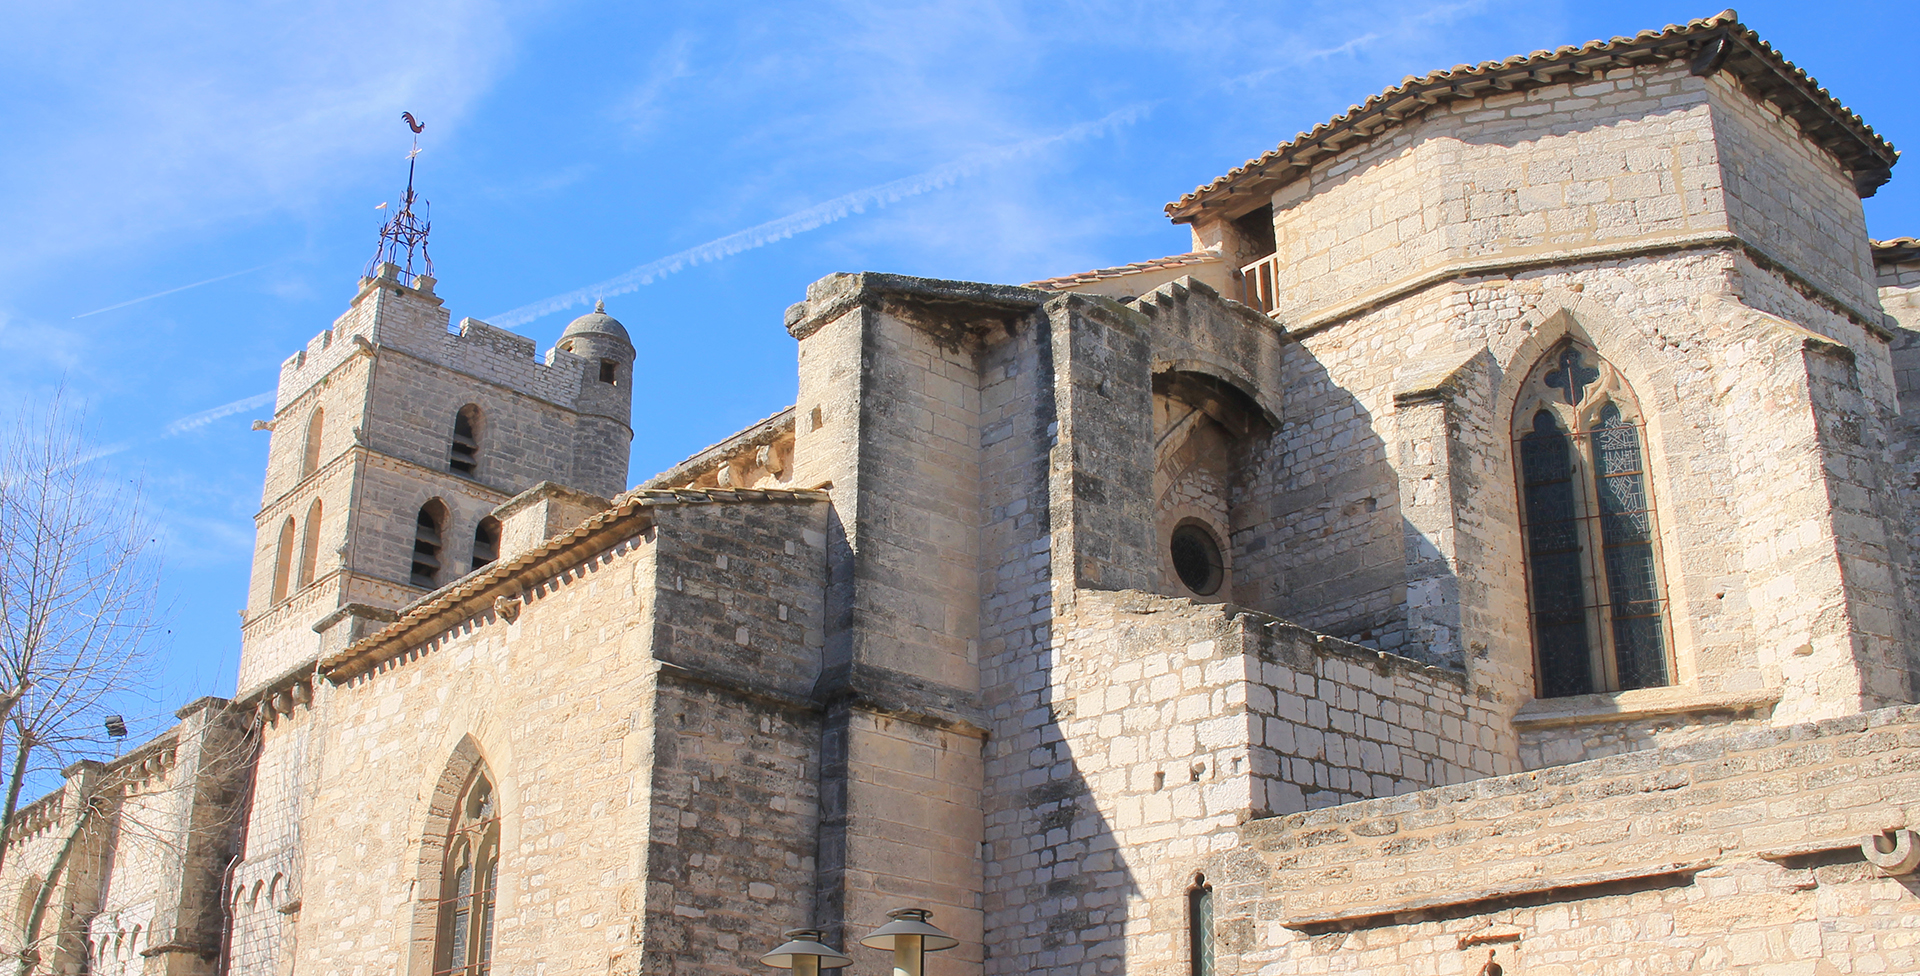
[
  {"x": 192, "y": 421},
  {"x": 195, "y": 421},
  {"x": 162, "y": 294},
  {"x": 819, "y": 215}
]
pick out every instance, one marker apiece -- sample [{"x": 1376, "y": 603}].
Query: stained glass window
[
  {"x": 1553, "y": 550},
  {"x": 469, "y": 883},
  {"x": 1592, "y": 551}
]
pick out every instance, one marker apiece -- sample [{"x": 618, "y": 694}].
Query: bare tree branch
[{"x": 79, "y": 584}]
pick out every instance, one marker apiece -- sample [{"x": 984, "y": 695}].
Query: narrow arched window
[
  {"x": 310, "y": 547},
  {"x": 283, "y": 560},
  {"x": 310, "y": 455},
  {"x": 427, "y": 528},
  {"x": 486, "y": 541},
  {"x": 1595, "y": 592},
  {"x": 1200, "y": 927},
  {"x": 463, "y": 454},
  {"x": 463, "y": 945}
]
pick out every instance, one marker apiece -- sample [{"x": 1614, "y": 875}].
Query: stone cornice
[
  {"x": 1726, "y": 241},
  {"x": 835, "y": 295}
]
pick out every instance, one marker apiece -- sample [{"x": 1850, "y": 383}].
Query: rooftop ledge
[{"x": 1642, "y": 703}]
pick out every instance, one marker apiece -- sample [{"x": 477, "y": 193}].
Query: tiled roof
[
  {"x": 1138, "y": 267},
  {"x": 1896, "y": 251},
  {"x": 454, "y": 601},
  {"x": 1713, "y": 43}
]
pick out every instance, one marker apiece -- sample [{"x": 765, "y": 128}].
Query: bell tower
[{"x": 394, "y": 439}]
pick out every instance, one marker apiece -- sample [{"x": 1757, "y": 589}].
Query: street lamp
[
  {"x": 910, "y": 937},
  {"x": 804, "y": 953}
]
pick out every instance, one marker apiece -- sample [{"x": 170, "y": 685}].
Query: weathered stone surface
[{"x": 923, "y": 638}]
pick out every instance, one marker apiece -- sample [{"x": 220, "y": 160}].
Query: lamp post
[
  {"x": 804, "y": 953},
  {"x": 911, "y": 937}
]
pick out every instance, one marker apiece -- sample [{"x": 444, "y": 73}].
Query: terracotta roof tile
[
  {"x": 1898, "y": 250},
  {"x": 1138, "y": 267},
  {"x": 1820, "y": 115}
]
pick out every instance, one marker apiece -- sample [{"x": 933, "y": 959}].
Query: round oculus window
[{"x": 1196, "y": 558}]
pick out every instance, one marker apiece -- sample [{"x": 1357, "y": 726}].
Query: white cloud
[{"x": 159, "y": 117}]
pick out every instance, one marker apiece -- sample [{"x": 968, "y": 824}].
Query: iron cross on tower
[{"x": 405, "y": 231}]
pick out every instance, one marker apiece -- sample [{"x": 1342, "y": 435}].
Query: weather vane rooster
[{"x": 405, "y": 232}]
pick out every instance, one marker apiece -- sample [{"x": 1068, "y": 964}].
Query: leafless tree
[{"x": 79, "y": 578}]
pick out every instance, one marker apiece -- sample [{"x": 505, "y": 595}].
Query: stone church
[{"x": 1491, "y": 549}]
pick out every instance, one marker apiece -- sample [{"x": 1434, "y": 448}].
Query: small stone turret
[
  {"x": 605, "y": 400},
  {"x": 599, "y": 337}
]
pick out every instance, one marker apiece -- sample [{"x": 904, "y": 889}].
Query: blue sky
[{"x": 155, "y": 146}]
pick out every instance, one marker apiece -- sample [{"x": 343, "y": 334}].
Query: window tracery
[
  {"x": 468, "y": 885},
  {"x": 1596, "y": 600}
]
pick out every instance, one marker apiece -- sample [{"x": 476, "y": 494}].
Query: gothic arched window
[
  {"x": 1595, "y": 595},
  {"x": 463, "y": 944},
  {"x": 310, "y": 458},
  {"x": 283, "y": 560},
  {"x": 1200, "y": 949},
  {"x": 310, "y": 547},
  {"x": 486, "y": 541},
  {"x": 427, "y": 528},
  {"x": 463, "y": 455}
]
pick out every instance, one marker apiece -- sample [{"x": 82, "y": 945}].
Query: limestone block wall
[
  {"x": 641, "y": 823},
  {"x": 1899, "y": 287},
  {"x": 281, "y": 637},
  {"x": 1018, "y": 430},
  {"x": 523, "y": 440},
  {"x": 729, "y": 843},
  {"x": 729, "y": 600},
  {"x": 1163, "y": 724},
  {"x": 1898, "y": 282},
  {"x": 1619, "y": 158},
  {"x": 1739, "y": 855},
  {"x": 1789, "y": 197},
  {"x": 1392, "y": 487},
  {"x": 1100, "y": 499},
  {"x": 567, "y": 813},
  {"x": 267, "y": 885},
  {"x": 889, "y": 413},
  {"x": 388, "y": 498},
  {"x": 43, "y": 826},
  {"x": 141, "y": 890},
  {"x": 928, "y": 406},
  {"x": 332, "y": 488},
  {"x": 334, "y": 382},
  {"x": 369, "y": 503},
  {"x": 412, "y": 319},
  {"x": 900, "y": 826}
]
